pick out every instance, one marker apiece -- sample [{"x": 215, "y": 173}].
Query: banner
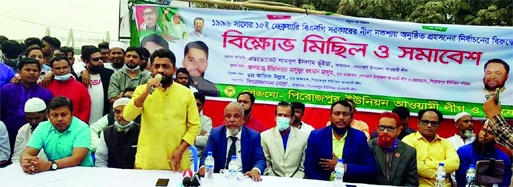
[{"x": 314, "y": 59}]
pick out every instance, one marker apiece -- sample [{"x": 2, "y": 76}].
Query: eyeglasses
[
  {"x": 427, "y": 122},
  {"x": 389, "y": 129},
  {"x": 96, "y": 59}
]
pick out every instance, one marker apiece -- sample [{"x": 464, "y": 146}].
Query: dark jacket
[
  {"x": 404, "y": 164},
  {"x": 122, "y": 146}
]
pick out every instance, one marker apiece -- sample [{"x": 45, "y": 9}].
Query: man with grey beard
[{"x": 464, "y": 136}]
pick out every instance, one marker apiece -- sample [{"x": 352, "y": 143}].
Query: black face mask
[
  {"x": 95, "y": 69},
  {"x": 339, "y": 131},
  {"x": 117, "y": 65}
]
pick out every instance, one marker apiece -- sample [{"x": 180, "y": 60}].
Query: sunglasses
[
  {"x": 96, "y": 59},
  {"x": 427, "y": 122}
]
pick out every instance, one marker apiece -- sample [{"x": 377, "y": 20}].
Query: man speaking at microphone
[{"x": 170, "y": 119}]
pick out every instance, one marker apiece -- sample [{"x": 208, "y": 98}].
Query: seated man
[
  {"x": 233, "y": 138},
  {"x": 66, "y": 140},
  {"x": 404, "y": 115},
  {"x": 356, "y": 124},
  {"x": 118, "y": 142},
  {"x": 97, "y": 127},
  {"x": 431, "y": 148},
  {"x": 483, "y": 148},
  {"x": 35, "y": 109},
  {"x": 5, "y": 148},
  {"x": 325, "y": 146},
  {"x": 397, "y": 162},
  {"x": 284, "y": 146}
]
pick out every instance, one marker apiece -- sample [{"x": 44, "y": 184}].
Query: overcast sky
[{"x": 87, "y": 18}]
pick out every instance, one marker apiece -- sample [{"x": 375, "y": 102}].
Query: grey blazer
[{"x": 404, "y": 164}]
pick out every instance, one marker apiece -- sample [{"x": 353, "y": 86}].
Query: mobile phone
[
  {"x": 162, "y": 182},
  {"x": 497, "y": 92},
  {"x": 350, "y": 185}
]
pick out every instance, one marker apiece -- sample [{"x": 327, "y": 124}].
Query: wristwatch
[{"x": 54, "y": 166}]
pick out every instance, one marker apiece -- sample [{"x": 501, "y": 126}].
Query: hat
[
  {"x": 120, "y": 102},
  {"x": 461, "y": 114},
  {"x": 34, "y": 105},
  {"x": 117, "y": 45}
]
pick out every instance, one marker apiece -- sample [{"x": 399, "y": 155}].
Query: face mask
[
  {"x": 468, "y": 133},
  {"x": 95, "y": 69},
  {"x": 282, "y": 123},
  {"x": 233, "y": 132},
  {"x": 123, "y": 126},
  {"x": 132, "y": 68},
  {"x": 63, "y": 77}
]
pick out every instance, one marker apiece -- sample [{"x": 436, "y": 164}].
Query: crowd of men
[{"x": 109, "y": 110}]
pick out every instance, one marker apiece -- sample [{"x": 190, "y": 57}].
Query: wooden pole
[{"x": 255, "y": 5}]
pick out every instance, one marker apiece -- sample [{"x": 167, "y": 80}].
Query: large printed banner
[{"x": 318, "y": 60}]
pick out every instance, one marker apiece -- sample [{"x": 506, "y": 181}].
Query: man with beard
[
  {"x": 145, "y": 55},
  {"x": 404, "y": 115},
  {"x": 356, "y": 124},
  {"x": 233, "y": 138},
  {"x": 431, "y": 148},
  {"x": 325, "y": 146},
  {"x": 64, "y": 84},
  {"x": 170, "y": 119},
  {"x": 118, "y": 142},
  {"x": 483, "y": 148},
  {"x": 49, "y": 45},
  {"x": 247, "y": 100},
  {"x": 100, "y": 80},
  {"x": 196, "y": 62},
  {"x": 183, "y": 78},
  {"x": 496, "y": 73},
  {"x": 150, "y": 17},
  {"x": 396, "y": 161},
  {"x": 116, "y": 56},
  {"x": 35, "y": 111},
  {"x": 465, "y": 128},
  {"x": 130, "y": 77},
  {"x": 284, "y": 146},
  {"x": 299, "y": 111}
]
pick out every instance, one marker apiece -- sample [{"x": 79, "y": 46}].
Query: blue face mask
[
  {"x": 282, "y": 123},
  {"x": 63, "y": 77}
]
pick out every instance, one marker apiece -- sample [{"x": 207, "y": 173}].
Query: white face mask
[
  {"x": 64, "y": 77},
  {"x": 123, "y": 126},
  {"x": 282, "y": 123},
  {"x": 232, "y": 132},
  {"x": 133, "y": 69}
]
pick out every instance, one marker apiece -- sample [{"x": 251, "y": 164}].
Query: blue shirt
[
  {"x": 12, "y": 103},
  {"x": 469, "y": 156},
  {"x": 6, "y": 74},
  {"x": 59, "y": 145},
  {"x": 285, "y": 138}
]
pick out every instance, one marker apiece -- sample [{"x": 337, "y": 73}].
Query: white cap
[
  {"x": 461, "y": 114},
  {"x": 34, "y": 105},
  {"x": 120, "y": 102},
  {"x": 117, "y": 45}
]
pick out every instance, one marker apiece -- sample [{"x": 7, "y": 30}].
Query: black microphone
[
  {"x": 186, "y": 182},
  {"x": 158, "y": 77},
  {"x": 195, "y": 182}
]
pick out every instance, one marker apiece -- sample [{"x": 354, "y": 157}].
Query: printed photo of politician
[
  {"x": 198, "y": 33},
  {"x": 196, "y": 62},
  {"x": 496, "y": 73},
  {"x": 150, "y": 17},
  {"x": 154, "y": 42}
]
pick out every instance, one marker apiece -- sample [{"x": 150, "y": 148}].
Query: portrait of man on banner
[
  {"x": 150, "y": 16},
  {"x": 496, "y": 73},
  {"x": 196, "y": 62}
]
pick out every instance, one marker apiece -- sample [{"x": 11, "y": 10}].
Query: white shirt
[
  {"x": 5, "y": 147},
  {"x": 102, "y": 153},
  {"x": 457, "y": 141},
  {"x": 237, "y": 148},
  {"x": 24, "y": 134},
  {"x": 78, "y": 67},
  {"x": 96, "y": 128},
  {"x": 97, "y": 98},
  {"x": 306, "y": 127}
]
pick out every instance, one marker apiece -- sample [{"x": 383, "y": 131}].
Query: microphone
[
  {"x": 195, "y": 182},
  {"x": 158, "y": 77},
  {"x": 186, "y": 182}
]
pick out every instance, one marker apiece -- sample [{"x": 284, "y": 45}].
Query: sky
[{"x": 87, "y": 18}]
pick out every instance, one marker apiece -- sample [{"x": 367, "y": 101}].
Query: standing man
[
  {"x": 206, "y": 124},
  {"x": 104, "y": 50},
  {"x": 396, "y": 161},
  {"x": 116, "y": 56},
  {"x": 299, "y": 111},
  {"x": 431, "y": 148},
  {"x": 49, "y": 45},
  {"x": 247, "y": 100},
  {"x": 233, "y": 138},
  {"x": 284, "y": 146},
  {"x": 64, "y": 84},
  {"x": 100, "y": 79},
  {"x": 118, "y": 142},
  {"x": 170, "y": 120},
  {"x": 183, "y": 78},
  {"x": 35, "y": 110},
  {"x": 65, "y": 138},
  {"x": 131, "y": 76},
  {"x": 325, "y": 146},
  {"x": 14, "y": 96}
]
